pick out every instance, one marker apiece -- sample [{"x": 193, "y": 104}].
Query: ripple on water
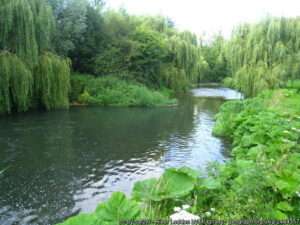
[{"x": 65, "y": 161}]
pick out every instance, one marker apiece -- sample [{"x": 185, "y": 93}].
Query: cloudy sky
[{"x": 210, "y": 16}]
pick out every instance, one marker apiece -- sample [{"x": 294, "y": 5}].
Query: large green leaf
[
  {"x": 82, "y": 219},
  {"x": 146, "y": 190},
  {"x": 190, "y": 172},
  {"x": 284, "y": 206},
  {"x": 175, "y": 183},
  {"x": 116, "y": 209},
  {"x": 211, "y": 183}
]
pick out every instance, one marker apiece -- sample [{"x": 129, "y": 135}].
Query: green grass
[{"x": 112, "y": 91}]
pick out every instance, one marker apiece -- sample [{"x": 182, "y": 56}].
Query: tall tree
[
  {"x": 26, "y": 27},
  {"x": 26, "y": 30},
  {"x": 265, "y": 54}
]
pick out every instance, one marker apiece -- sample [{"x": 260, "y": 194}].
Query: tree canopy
[{"x": 38, "y": 36}]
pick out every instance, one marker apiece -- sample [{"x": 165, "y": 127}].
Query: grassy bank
[
  {"x": 111, "y": 91},
  {"x": 261, "y": 180}
]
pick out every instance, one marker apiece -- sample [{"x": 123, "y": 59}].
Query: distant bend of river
[{"x": 64, "y": 161}]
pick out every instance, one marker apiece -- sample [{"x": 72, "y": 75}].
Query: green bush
[
  {"x": 78, "y": 85},
  {"x": 262, "y": 179},
  {"x": 224, "y": 125},
  {"x": 228, "y": 82},
  {"x": 111, "y": 91}
]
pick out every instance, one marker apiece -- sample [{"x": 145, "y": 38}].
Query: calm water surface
[{"x": 64, "y": 161}]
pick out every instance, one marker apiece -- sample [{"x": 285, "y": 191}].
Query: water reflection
[
  {"x": 219, "y": 92},
  {"x": 65, "y": 161}
]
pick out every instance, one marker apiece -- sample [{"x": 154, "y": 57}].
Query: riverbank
[{"x": 260, "y": 181}]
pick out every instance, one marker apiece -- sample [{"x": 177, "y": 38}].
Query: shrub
[
  {"x": 78, "y": 85},
  {"x": 228, "y": 82},
  {"x": 111, "y": 91}
]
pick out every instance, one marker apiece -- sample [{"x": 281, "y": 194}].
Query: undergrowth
[{"x": 112, "y": 91}]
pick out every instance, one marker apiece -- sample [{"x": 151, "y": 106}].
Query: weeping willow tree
[
  {"x": 265, "y": 54},
  {"x": 16, "y": 84},
  {"x": 26, "y": 28},
  {"x": 187, "y": 56},
  {"x": 52, "y": 81}
]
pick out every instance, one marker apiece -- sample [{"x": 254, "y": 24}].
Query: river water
[{"x": 58, "y": 163}]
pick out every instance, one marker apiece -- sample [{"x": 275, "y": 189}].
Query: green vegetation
[
  {"x": 49, "y": 38},
  {"x": 264, "y": 55},
  {"x": 139, "y": 49},
  {"x": 52, "y": 81},
  {"x": 217, "y": 63},
  {"x": 139, "y": 61},
  {"x": 117, "y": 208},
  {"x": 260, "y": 181},
  {"x": 153, "y": 198},
  {"x": 111, "y": 91},
  {"x": 30, "y": 77}
]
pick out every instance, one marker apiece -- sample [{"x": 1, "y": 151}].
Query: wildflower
[
  {"x": 208, "y": 214},
  {"x": 298, "y": 193},
  {"x": 177, "y": 209},
  {"x": 212, "y": 209},
  {"x": 286, "y": 132}
]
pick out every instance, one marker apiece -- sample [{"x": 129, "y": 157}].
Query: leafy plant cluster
[
  {"x": 153, "y": 198},
  {"x": 262, "y": 179},
  {"x": 112, "y": 91}
]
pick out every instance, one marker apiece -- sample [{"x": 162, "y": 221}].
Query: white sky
[{"x": 210, "y": 16}]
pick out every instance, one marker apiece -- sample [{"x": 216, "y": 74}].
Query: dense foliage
[
  {"x": 264, "y": 55},
  {"x": 260, "y": 181},
  {"x": 217, "y": 62},
  {"x": 149, "y": 50},
  {"x": 111, "y": 91},
  {"x": 26, "y": 27},
  {"x": 144, "y": 49},
  {"x": 16, "y": 83},
  {"x": 52, "y": 81},
  {"x": 29, "y": 76}
]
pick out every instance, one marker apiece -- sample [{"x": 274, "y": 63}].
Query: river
[{"x": 60, "y": 162}]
